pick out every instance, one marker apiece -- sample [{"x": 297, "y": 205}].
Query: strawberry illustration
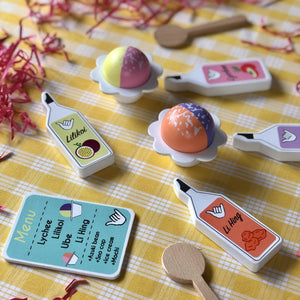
[{"x": 247, "y": 68}]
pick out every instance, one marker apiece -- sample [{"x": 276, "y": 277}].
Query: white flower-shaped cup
[
  {"x": 126, "y": 95},
  {"x": 187, "y": 159}
]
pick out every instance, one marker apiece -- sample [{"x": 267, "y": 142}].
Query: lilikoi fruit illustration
[{"x": 87, "y": 149}]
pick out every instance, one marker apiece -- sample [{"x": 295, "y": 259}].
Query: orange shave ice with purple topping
[
  {"x": 188, "y": 128},
  {"x": 126, "y": 67}
]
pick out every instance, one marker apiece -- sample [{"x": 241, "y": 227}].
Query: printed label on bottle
[
  {"x": 237, "y": 227},
  {"x": 234, "y": 71},
  {"x": 289, "y": 137},
  {"x": 78, "y": 138}
]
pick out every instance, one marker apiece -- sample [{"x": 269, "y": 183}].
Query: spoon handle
[
  {"x": 203, "y": 289},
  {"x": 218, "y": 26}
]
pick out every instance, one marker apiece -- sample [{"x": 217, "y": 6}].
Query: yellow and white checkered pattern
[{"x": 140, "y": 178}]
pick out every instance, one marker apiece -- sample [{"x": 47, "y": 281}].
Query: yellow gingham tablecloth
[{"x": 140, "y": 178}]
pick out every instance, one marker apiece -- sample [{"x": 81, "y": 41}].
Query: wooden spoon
[
  {"x": 173, "y": 36},
  {"x": 185, "y": 263}
]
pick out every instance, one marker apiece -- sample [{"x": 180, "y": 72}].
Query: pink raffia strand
[
  {"x": 265, "y": 27},
  {"x": 71, "y": 288},
  {"x": 138, "y": 13},
  {"x": 287, "y": 49},
  {"x": 287, "y": 35},
  {"x": 19, "y": 69},
  {"x": 16, "y": 71},
  {"x": 74, "y": 283},
  {"x": 2, "y": 207},
  {"x": 48, "y": 11},
  {"x": 298, "y": 254},
  {"x": 142, "y": 13},
  {"x": 53, "y": 44}
]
